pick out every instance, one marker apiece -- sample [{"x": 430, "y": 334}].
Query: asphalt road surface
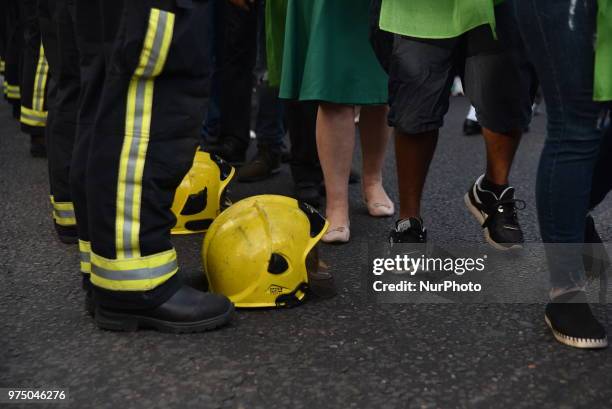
[{"x": 340, "y": 353}]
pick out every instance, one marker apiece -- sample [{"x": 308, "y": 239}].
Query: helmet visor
[{"x": 320, "y": 280}]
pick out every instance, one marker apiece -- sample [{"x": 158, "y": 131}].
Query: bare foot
[{"x": 377, "y": 201}]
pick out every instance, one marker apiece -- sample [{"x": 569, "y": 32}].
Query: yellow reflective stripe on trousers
[
  {"x": 32, "y": 117},
  {"x": 85, "y": 252},
  {"x": 40, "y": 81},
  {"x": 9, "y": 87},
  {"x": 63, "y": 212},
  {"x": 137, "y": 130},
  {"x": 12, "y": 91},
  {"x": 130, "y": 271},
  {"x": 135, "y": 274}
]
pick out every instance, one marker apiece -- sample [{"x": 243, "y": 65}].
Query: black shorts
[{"x": 496, "y": 76}]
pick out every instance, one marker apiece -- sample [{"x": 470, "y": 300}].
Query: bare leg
[
  {"x": 375, "y": 135},
  {"x": 413, "y": 154},
  {"x": 335, "y": 144},
  {"x": 500, "y": 154}
]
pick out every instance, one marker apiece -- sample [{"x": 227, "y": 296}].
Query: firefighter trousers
[
  {"x": 58, "y": 36},
  {"x": 141, "y": 144},
  {"x": 35, "y": 73},
  {"x": 13, "y": 51}
]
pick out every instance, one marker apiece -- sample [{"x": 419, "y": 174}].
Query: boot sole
[
  {"x": 126, "y": 322},
  {"x": 583, "y": 343},
  {"x": 480, "y": 217}
]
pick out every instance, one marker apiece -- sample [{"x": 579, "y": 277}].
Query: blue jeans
[
  {"x": 559, "y": 37},
  {"x": 270, "y": 125}
]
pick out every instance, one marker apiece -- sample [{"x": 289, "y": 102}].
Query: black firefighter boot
[{"x": 186, "y": 310}]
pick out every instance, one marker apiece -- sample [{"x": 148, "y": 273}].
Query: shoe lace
[{"x": 506, "y": 210}]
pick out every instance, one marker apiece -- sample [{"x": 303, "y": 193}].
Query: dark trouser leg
[
  {"x": 270, "y": 128},
  {"x": 35, "y": 74},
  {"x": 90, "y": 40},
  {"x": 602, "y": 174},
  {"x": 236, "y": 72},
  {"x": 563, "y": 57},
  {"x": 144, "y": 137},
  {"x": 302, "y": 121},
  {"x": 65, "y": 122},
  {"x": 14, "y": 48},
  {"x": 210, "y": 127},
  {"x": 59, "y": 40}
]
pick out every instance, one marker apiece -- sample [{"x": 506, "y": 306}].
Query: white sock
[{"x": 472, "y": 114}]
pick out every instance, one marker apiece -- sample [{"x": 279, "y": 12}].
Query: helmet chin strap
[
  {"x": 291, "y": 300},
  {"x": 322, "y": 289}
]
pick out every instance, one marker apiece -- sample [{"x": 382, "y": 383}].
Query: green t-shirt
[
  {"x": 603, "y": 54},
  {"x": 451, "y": 18},
  {"x": 436, "y": 18}
]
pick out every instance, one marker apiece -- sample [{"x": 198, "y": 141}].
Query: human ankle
[{"x": 497, "y": 188}]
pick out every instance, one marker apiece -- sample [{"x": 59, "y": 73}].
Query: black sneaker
[
  {"x": 496, "y": 215},
  {"x": 409, "y": 237},
  {"x": 265, "y": 164},
  {"x": 471, "y": 127},
  {"x": 408, "y": 230},
  {"x": 572, "y": 323}
]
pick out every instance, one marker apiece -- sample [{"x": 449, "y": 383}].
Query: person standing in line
[
  {"x": 238, "y": 47},
  {"x": 574, "y": 173},
  {"x": 34, "y": 80},
  {"x": 56, "y": 19},
  {"x": 301, "y": 115},
  {"x": 145, "y": 71},
  {"x": 323, "y": 40},
  {"x": 426, "y": 47}
]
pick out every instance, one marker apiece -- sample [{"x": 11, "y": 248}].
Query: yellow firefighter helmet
[
  {"x": 262, "y": 252},
  {"x": 201, "y": 196}
]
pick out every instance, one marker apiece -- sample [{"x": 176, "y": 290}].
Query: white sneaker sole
[
  {"x": 584, "y": 343},
  {"x": 480, "y": 217}
]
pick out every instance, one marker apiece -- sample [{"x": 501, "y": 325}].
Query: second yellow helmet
[{"x": 201, "y": 196}]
